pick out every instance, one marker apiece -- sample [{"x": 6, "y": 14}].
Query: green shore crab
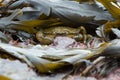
[{"x": 47, "y": 35}]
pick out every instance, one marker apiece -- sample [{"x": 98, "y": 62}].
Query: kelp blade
[
  {"x": 112, "y": 7},
  {"x": 45, "y": 66},
  {"x": 4, "y": 78},
  {"x": 32, "y": 26}
]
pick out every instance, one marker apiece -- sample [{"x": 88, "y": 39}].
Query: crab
[{"x": 47, "y": 35}]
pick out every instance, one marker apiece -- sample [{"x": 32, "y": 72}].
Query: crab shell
[{"x": 47, "y": 35}]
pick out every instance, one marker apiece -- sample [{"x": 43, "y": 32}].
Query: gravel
[{"x": 17, "y": 70}]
